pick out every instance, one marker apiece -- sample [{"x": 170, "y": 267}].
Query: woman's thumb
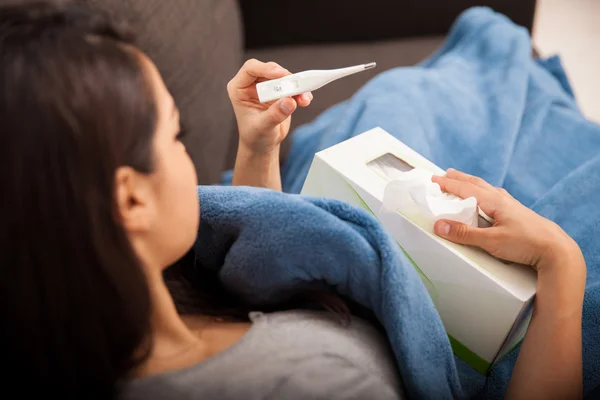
[
  {"x": 278, "y": 112},
  {"x": 459, "y": 233}
]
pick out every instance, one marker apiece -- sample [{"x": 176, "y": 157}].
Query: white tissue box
[{"x": 485, "y": 304}]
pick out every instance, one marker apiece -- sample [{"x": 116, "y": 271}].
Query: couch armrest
[{"x": 285, "y": 22}]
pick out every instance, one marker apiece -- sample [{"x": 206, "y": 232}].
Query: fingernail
[
  {"x": 307, "y": 97},
  {"x": 285, "y": 106},
  {"x": 280, "y": 69},
  {"x": 443, "y": 228}
]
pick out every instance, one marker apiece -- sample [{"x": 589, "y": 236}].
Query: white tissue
[{"x": 413, "y": 194}]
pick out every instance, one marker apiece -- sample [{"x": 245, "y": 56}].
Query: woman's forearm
[
  {"x": 550, "y": 360},
  {"x": 257, "y": 169}
]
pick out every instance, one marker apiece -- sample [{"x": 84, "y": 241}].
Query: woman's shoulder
[
  {"x": 292, "y": 354},
  {"x": 319, "y": 334},
  {"x": 332, "y": 360}
]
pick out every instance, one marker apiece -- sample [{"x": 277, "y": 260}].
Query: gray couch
[{"x": 198, "y": 45}]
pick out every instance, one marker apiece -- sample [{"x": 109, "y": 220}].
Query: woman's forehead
[{"x": 165, "y": 104}]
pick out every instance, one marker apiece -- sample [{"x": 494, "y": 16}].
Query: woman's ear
[{"x": 134, "y": 200}]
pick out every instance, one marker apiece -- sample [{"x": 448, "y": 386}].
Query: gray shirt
[{"x": 287, "y": 355}]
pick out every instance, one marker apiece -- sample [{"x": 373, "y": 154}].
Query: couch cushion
[
  {"x": 197, "y": 46},
  {"x": 387, "y": 54}
]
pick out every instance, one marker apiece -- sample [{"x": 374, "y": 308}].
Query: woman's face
[{"x": 161, "y": 210}]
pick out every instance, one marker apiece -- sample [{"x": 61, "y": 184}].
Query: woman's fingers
[
  {"x": 304, "y": 99},
  {"x": 464, "y": 234},
  {"x": 504, "y": 192},
  {"x": 464, "y": 177},
  {"x": 487, "y": 200},
  {"x": 276, "y": 114},
  {"x": 475, "y": 180},
  {"x": 253, "y": 70},
  {"x": 462, "y": 189}
]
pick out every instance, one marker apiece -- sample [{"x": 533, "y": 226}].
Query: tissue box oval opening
[{"x": 484, "y": 303}]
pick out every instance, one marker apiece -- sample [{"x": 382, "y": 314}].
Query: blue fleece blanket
[{"x": 481, "y": 104}]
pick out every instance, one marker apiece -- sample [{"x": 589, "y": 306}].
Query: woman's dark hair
[{"x": 74, "y": 106}]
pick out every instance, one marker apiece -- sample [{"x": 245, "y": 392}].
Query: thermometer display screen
[{"x": 285, "y": 86}]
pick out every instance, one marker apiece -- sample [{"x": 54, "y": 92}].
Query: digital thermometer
[{"x": 304, "y": 82}]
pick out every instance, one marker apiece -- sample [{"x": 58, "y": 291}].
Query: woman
[{"x": 92, "y": 166}]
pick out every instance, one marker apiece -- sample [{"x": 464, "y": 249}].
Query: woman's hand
[
  {"x": 549, "y": 365},
  {"x": 518, "y": 235},
  {"x": 262, "y": 127}
]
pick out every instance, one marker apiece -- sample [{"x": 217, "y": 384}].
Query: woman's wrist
[
  {"x": 562, "y": 258},
  {"x": 257, "y": 143},
  {"x": 258, "y": 151},
  {"x": 561, "y": 282},
  {"x": 259, "y": 168}
]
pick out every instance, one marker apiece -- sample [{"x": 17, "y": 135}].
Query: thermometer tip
[{"x": 370, "y": 65}]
